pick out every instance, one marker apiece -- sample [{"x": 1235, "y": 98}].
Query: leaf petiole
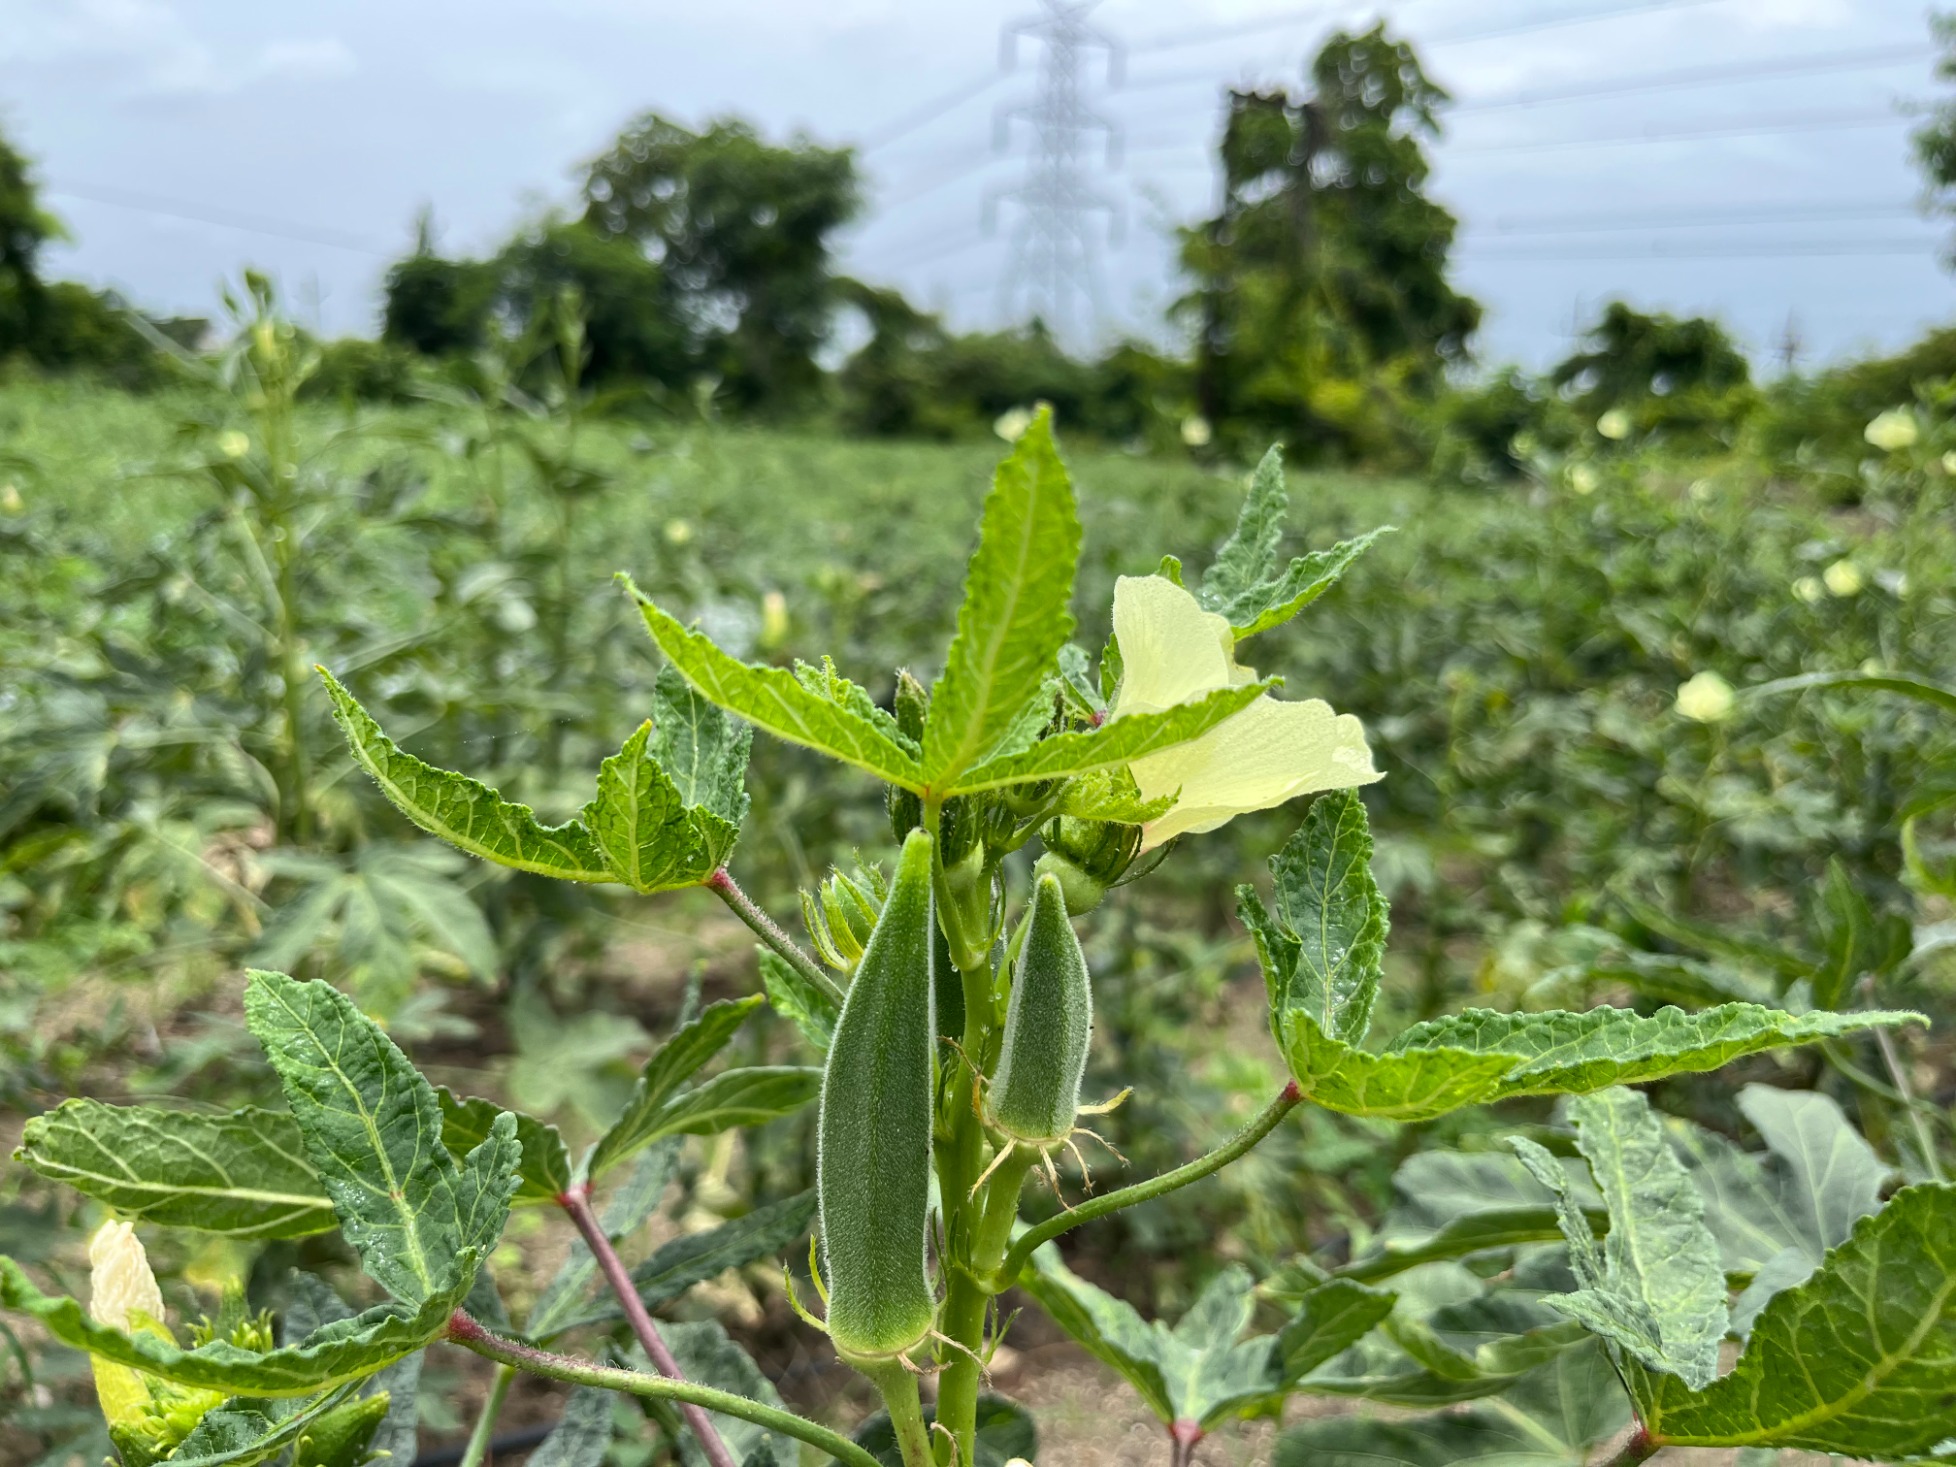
[
  {"x": 470, "y": 1335},
  {"x": 1288, "y": 1099}
]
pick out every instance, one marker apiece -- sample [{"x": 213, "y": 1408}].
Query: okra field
[{"x": 627, "y": 938}]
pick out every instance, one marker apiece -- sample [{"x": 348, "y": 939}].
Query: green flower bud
[
  {"x": 874, "y": 1159},
  {"x": 1082, "y": 892},
  {"x": 1035, "y": 1093},
  {"x": 1100, "y": 848},
  {"x": 840, "y": 914}
]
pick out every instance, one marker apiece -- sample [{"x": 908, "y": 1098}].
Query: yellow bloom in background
[
  {"x": 1842, "y": 578},
  {"x": 1705, "y": 698},
  {"x": 1949, "y": 462},
  {"x": 774, "y": 620},
  {"x": 233, "y": 444},
  {"x": 1173, "y": 652},
  {"x": 1584, "y": 479},
  {"x": 1809, "y": 589},
  {"x": 1012, "y": 423},
  {"x": 1196, "y": 431},
  {"x": 1893, "y": 429},
  {"x": 1614, "y": 424}
]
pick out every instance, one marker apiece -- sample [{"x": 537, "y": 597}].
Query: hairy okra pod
[
  {"x": 874, "y": 1159},
  {"x": 1035, "y": 1093}
]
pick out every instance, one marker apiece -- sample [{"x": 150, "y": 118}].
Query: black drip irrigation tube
[{"x": 514, "y": 1441}]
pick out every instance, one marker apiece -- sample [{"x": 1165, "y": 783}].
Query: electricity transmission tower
[{"x": 1054, "y": 275}]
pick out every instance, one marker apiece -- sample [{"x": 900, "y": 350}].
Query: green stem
[
  {"x": 722, "y": 885},
  {"x": 906, "y": 1407},
  {"x": 485, "y": 1424},
  {"x": 466, "y": 1332},
  {"x": 1095, "y": 1207},
  {"x": 1924, "y": 1141}
]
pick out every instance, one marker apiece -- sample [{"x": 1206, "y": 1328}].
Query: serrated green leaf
[
  {"x": 702, "y": 749},
  {"x": 244, "y": 1175},
  {"x": 462, "y": 811},
  {"x": 1105, "y": 1327},
  {"x": 1554, "y": 1416},
  {"x": 653, "y": 840},
  {"x": 1329, "y": 1320},
  {"x": 1112, "y": 795},
  {"x": 1859, "y": 1360},
  {"x": 1478, "y": 1056},
  {"x": 1200, "y": 1372},
  {"x": 809, "y": 1008},
  {"x": 1307, "y": 578},
  {"x": 545, "y": 1170},
  {"x": 1818, "y": 1179},
  {"x": 333, "y": 1354},
  {"x": 674, "y": 1267},
  {"x": 1114, "y": 744},
  {"x": 582, "y": 1435},
  {"x": 1244, "y": 583},
  {"x": 1655, "y": 1288},
  {"x": 239, "y": 1434},
  {"x": 372, "y": 1128},
  {"x": 1248, "y": 558},
  {"x": 774, "y": 699},
  {"x": 1322, "y": 955},
  {"x": 671, "y": 1066},
  {"x": 1014, "y": 618},
  {"x": 736, "y": 1098}
]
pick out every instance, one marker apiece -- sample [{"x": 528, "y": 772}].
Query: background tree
[
  {"x": 24, "y": 229},
  {"x": 741, "y": 230},
  {"x": 1321, "y": 285},
  {"x": 1935, "y": 140},
  {"x": 434, "y": 305}
]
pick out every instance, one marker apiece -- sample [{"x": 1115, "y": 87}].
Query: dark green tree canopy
[
  {"x": 1323, "y": 279},
  {"x": 24, "y": 228},
  {"x": 1628, "y": 356},
  {"x": 742, "y": 229}
]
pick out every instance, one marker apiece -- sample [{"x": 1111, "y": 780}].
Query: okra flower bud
[{"x": 874, "y": 1162}]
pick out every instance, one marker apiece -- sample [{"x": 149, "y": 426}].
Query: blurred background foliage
[{"x": 676, "y": 382}]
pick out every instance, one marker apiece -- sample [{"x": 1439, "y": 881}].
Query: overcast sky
[{"x": 1789, "y": 197}]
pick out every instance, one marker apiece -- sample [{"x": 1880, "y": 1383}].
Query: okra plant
[{"x": 954, "y": 1032}]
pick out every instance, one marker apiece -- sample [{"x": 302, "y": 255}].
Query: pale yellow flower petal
[
  {"x": 1269, "y": 753},
  {"x": 122, "y": 1294},
  {"x": 1172, "y": 650},
  {"x": 119, "y": 1280}
]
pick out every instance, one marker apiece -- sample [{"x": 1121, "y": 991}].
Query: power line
[
  {"x": 143, "y": 203},
  {"x": 1207, "y": 35},
  {"x": 1710, "y": 249},
  {"x": 1693, "y": 76},
  {"x": 924, "y": 113},
  {"x": 1577, "y": 223},
  {"x": 1791, "y": 122},
  {"x": 925, "y": 182}
]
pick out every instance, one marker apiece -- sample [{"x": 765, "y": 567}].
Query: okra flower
[{"x": 1173, "y": 652}]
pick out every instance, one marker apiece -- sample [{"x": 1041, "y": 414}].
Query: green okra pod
[
  {"x": 1035, "y": 1092},
  {"x": 874, "y": 1162}
]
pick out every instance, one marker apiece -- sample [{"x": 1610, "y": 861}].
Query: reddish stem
[
  {"x": 577, "y": 1202},
  {"x": 1184, "y": 1435}
]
